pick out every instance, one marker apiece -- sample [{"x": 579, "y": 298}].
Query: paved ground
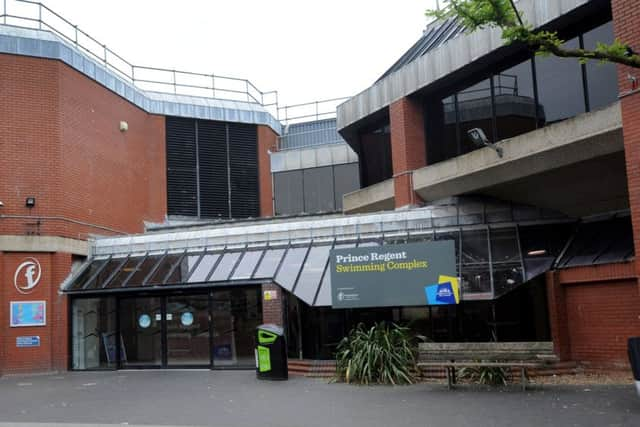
[{"x": 236, "y": 398}]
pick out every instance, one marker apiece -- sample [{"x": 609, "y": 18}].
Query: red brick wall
[
  {"x": 626, "y": 16},
  {"x": 408, "y": 149},
  {"x": 272, "y": 311},
  {"x": 267, "y": 141},
  {"x": 593, "y": 311},
  {"x": 52, "y": 353},
  {"x": 60, "y": 142}
]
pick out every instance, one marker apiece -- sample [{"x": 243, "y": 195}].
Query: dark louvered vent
[
  {"x": 227, "y": 162},
  {"x": 243, "y": 156},
  {"x": 214, "y": 184},
  {"x": 181, "y": 167}
]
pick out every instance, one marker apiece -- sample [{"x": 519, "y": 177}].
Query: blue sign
[
  {"x": 28, "y": 313},
  {"x": 33, "y": 341}
]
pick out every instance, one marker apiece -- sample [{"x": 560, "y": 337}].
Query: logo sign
[
  {"x": 392, "y": 275},
  {"x": 32, "y": 341},
  {"x": 445, "y": 292},
  {"x": 27, "y": 276}
]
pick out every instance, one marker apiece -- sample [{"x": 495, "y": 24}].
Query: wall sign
[
  {"x": 27, "y": 276},
  {"x": 28, "y": 313},
  {"x": 394, "y": 275},
  {"x": 31, "y": 341},
  {"x": 270, "y": 295}
]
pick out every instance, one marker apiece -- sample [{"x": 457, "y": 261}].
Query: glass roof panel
[
  {"x": 107, "y": 273},
  {"x": 269, "y": 264},
  {"x": 87, "y": 274},
  {"x": 125, "y": 271},
  {"x": 163, "y": 269},
  {"x": 201, "y": 273},
  {"x": 324, "y": 294},
  {"x": 291, "y": 267},
  {"x": 247, "y": 265},
  {"x": 225, "y": 266},
  {"x": 143, "y": 269},
  {"x": 309, "y": 279}
]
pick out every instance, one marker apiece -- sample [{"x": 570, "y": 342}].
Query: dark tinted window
[
  {"x": 560, "y": 89},
  {"x": 602, "y": 79}
]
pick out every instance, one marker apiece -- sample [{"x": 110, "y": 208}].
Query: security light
[
  {"x": 1, "y": 204},
  {"x": 480, "y": 139},
  {"x": 30, "y": 202}
]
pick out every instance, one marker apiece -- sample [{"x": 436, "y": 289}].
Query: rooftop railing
[{"x": 35, "y": 15}]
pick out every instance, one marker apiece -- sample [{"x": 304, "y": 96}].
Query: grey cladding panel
[
  {"x": 346, "y": 179},
  {"x": 318, "y": 190},
  {"x": 288, "y": 192}
]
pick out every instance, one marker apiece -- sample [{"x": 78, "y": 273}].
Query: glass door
[
  {"x": 235, "y": 315},
  {"x": 187, "y": 329},
  {"x": 141, "y": 332}
]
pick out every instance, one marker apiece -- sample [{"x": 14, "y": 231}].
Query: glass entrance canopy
[{"x": 493, "y": 241}]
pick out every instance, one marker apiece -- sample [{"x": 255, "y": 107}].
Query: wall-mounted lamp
[
  {"x": 480, "y": 139},
  {"x": 1, "y": 204},
  {"x": 124, "y": 126},
  {"x": 30, "y": 202}
]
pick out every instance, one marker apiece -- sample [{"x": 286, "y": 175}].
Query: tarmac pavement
[{"x": 238, "y": 399}]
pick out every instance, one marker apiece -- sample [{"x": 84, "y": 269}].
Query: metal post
[
  {"x": 104, "y": 47},
  {"x": 175, "y": 89},
  {"x": 133, "y": 74},
  {"x": 317, "y": 117},
  {"x": 4, "y": 11},
  {"x": 213, "y": 85},
  {"x": 40, "y": 15},
  {"x": 246, "y": 82},
  {"x": 76, "y": 28}
]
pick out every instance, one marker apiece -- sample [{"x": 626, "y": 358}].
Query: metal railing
[
  {"x": 309, "y": 111},
  {"x": 35, "y": 15}
]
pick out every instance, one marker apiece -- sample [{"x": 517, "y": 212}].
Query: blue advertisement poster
[{"x": 28, "y": 313}]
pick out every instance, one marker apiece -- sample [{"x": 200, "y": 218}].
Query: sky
[{"x": 306, "y": 50}]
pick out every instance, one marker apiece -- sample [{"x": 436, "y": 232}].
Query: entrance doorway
[{"x": 211, "y": 329}]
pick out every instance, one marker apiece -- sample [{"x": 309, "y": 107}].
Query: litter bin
[
  {"x": 634, "y": 359},
  {"x": 271, "y": 353}
]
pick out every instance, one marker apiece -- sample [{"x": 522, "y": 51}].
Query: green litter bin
[{"x": 271, "y": 353}]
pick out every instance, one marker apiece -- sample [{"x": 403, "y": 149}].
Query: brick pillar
[
  {"x": 267, "y": 141},
  {"x": 61, "y": 267},
  {"x": 558, "y": 316},
  {"x": 408, "y": 148},
  {"x": 272, "y": 309},
  {"x": 626, "y": 15}
]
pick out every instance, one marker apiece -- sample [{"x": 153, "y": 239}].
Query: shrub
[
  {"x": 487, "y": 375},
  {"x": 382, "y": 354}
]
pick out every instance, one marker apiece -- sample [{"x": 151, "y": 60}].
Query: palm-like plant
[{"x": 382, "y": 354}]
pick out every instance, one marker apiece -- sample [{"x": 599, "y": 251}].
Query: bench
[{"x": 521, "y": 355}]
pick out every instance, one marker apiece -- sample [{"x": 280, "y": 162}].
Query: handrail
[{"x": 182, "y": 82}]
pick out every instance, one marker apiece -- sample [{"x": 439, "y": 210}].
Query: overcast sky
[{"x": 307, "y": 50}]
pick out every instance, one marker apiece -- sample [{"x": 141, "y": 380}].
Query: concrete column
[
  {"x": 626, "y": 15},
  {"x": 267, "y": 142},
  {"x": 408, "y": 148}
]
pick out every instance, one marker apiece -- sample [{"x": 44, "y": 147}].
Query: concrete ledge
[
  {"x": 43, "y": 244},
  {"x": 377, "y": 197},
  {"x": 581, "y": 138}
]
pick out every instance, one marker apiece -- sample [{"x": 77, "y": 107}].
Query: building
[{"x": 153, "y": 218}]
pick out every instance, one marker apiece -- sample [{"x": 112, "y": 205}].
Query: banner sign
[
  {"x": 28, "y": 313},
  {"x": 395, "y": 275}
]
